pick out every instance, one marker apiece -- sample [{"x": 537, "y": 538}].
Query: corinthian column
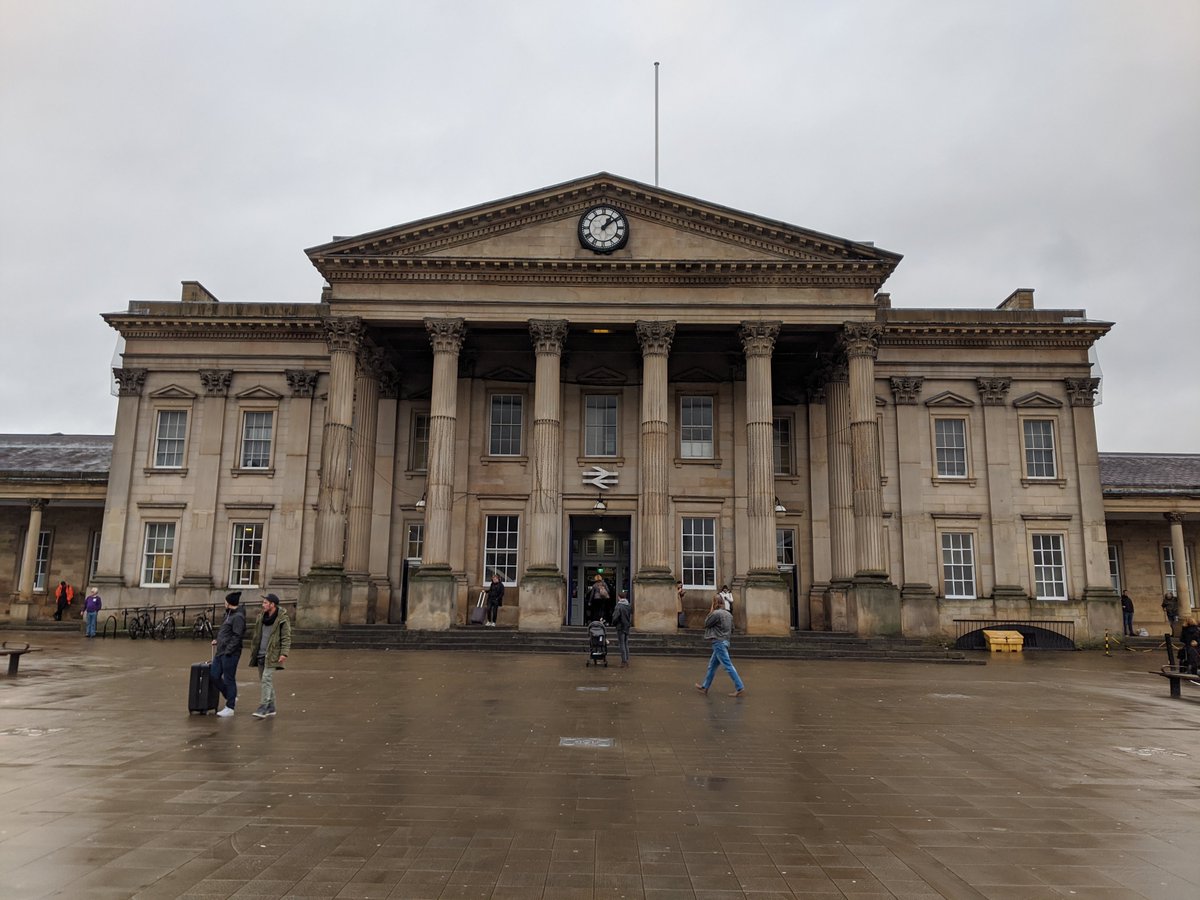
[
  {"x": 343, "y": 336},
  {"x": 543, "y": 591},
  {"x": 29, "y": 557},
  {"x": 841, "y": 496},
  {"x": 362, "y": 481},
  {"x": 861, "y": 341},
  {"x": 1183, "y": 590},
  {"x": 655, "y": 599},
  {"x": 766, "y": 596}
]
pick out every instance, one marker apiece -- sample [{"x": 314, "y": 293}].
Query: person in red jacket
[{"x": 63, "y": 594}]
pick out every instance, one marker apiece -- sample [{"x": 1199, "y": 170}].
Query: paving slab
[{"x": 448, "y": 774}]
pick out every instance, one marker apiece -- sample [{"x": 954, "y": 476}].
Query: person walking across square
[
  {"x": 91, "y": 610},
  {"x": 270, "y": 646},
  {"x": 718, "y": 628},
  {"x": 227, "y": 651},
  {"x": 622, "y": 619}
]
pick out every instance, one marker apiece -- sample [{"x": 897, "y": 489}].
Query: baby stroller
[{"x": 597, "y": 644}]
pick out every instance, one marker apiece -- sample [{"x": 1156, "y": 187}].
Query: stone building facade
[{"x": 604, "y": 377}]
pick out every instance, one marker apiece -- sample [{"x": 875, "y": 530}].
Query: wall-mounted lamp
[
  {"x": 420, "y": 504},
  {"x": 779, "y": 507},
  {"x": 600, "y": 505}
]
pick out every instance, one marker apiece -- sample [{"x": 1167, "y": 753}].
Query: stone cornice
[
  {"x": 166, "y": 320},
  {"x": 938, "y": 334}
]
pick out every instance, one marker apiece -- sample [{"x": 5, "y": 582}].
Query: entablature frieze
[{"x": 993, "y": 335}]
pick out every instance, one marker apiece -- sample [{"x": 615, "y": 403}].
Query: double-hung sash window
[
  {"x": 950, "y": 444},
  {"x": 256, "y": 439},
  {"x": 958, "y": 565},
  {"x": 1171, "y": 574},
  {"x": 1038, "y": 436},
  {"x": 698, "y": 547},
  {"x": 781, "y": 444},
  {"x": 41, "y": 563},
  {"x": 415, "y": 545},
  {"x": 169, "y": 438},
  {"x": 500, "y": 549},
  {"x": 600, "y": 425},
  {"x": 418, "y": 445},
  {"x": 158, "y": 554},
  {"x": 696, "y": 428},
  {"x": 245, "y": 565},
  {"x": 1114, "y": 566},
  {"x": 504, "y": 433},
  {"x": 1049, "y": 567}
]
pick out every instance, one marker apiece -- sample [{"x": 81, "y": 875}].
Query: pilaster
[{"x": 1005, "y": 536}]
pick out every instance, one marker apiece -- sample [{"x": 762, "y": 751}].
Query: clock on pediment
[{"x": 603, "y": 229}]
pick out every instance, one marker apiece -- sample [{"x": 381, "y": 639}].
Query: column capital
[
  {"x": 1082, "y": 391},
  {"x": 389, "y": 384},
  {"x": 38, "y": 503},
  {"x": 303, "y": 382},
  {"x": 861, "y": 339},
  {"x": 548, "y": 335},
  {"x": 129, "y": 381},
  {"x": 446, "y": 335},
  {"x": 814, "y": 387},
  {"x": 1175, "y": 518},
  {"x": 343, "y": 333},
  {"x": 372, "y": 361},
  {"x": 655, "y": 337},
  {"x": 216, "y": 381},
  {"x": 906, "y": 389},
  {"x": 993, "y": 391},
  {"x": 758, "y": 337}
]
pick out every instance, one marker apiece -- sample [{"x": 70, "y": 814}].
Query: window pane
[
  {"x": 245, "y": 567},
  {"x": 950, "y": 442},
  {"x": 94, "y": 562},
  {"x": 168, "y": 441},
  {"x": 1169, "y": 583},
  {"x": 781, "y": 440},
  {"x": 1114, "y": 567},
  {"x": 699, "y": 553},
  {"x": 42, "y": 562},
  {"x": 416, "y": 540},
  {"x": 785, "y": 546},
  {"x": 600, "y": 425},
  {"x": 696, "y": 427},
  {"x": 256, "y": 440},
  {"x": 500, "y": 549},
  {"x": 159, "y": 554},
  {"x": 1049, "y": 567},
  {"x": 1039, "y": 448},
  {"x": 505, "y": 434},
  {"x": 958, "y": 565},
  {"x": 419, "y": 445}
]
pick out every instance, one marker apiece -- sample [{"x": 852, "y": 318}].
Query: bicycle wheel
[
  {"x": 134, "y": 628},
  {"x": 169, "y": 624}
]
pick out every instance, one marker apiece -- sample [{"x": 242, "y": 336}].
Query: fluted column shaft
[
  {"x": 343, "y": 336},
  {"x": 758, "y": 342},
  {"x": 446, "y": 337},
  {"x": 841, "y": 518},
  {"x": 29, "y": 557},
  {"x": 1179, "y": 554},
  {"x": 654, "y": 520},
  {"x": 362, "y": 467},
  {"x": 861, "y": 341},
  {"x": 542, "y": 550}
]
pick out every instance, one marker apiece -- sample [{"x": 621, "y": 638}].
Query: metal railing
[{"x": 1045, "y": 634}]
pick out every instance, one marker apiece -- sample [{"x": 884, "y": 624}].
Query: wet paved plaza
[{"x": 442, "y": 774}]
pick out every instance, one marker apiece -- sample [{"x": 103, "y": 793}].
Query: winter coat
[
  {"x": 233, "y": 631},
  {"x": 622, "y": 617},
  {"x": 278, "y": 644}
]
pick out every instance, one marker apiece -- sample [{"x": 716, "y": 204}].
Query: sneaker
[
  {"x": 260, "y": 713},
  {"x": 271, "y": 709},
  {"x": 226, "y": 712}
]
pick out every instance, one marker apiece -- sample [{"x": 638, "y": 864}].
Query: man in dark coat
[
  {"x": 622, "y": 619},
  {"x": 227, "y": 650},
  {"x": 1127, "y": 611}
]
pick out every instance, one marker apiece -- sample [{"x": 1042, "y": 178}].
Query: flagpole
[{"x": 656, "y": 124}]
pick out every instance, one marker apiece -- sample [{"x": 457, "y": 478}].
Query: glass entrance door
[{"x": 599, "y": 546}]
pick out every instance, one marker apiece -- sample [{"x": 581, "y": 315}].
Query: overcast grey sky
[{"x": 1051, "y": 144}]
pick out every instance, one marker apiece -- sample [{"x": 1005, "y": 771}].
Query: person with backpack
[{"x": 597, "y": 600}]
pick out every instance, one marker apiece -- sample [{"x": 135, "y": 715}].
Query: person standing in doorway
[
  {"x": 227, "y": 651},
  {"x": 495, "y": 599},
  {"x": 1127, "y": 612},
  {"x": 91, "y": 610},
  {"x": 622, "y": 619},
  {"x": 63, "y": 595},
  {"x": 597, "y": 599},
  {"x": 718, "y": 628},
  {"x": 270, "y": 646}
]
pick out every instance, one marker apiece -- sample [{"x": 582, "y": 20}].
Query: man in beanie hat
[
  {"x": 270, "y": 646},
  {"x": 227, "y": 651}
]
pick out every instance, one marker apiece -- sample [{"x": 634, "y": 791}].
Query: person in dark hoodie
[{"x": 227, "y": 651}]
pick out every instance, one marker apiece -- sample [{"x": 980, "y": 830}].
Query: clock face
[{"x": 603, "y": 229}]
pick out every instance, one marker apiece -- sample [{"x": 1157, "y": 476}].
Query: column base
[
  {"x": 654, "y": 603},
  {"x": 838, "y": 607},
  {"x": 766, "y": 599},
  {"x": 543, "y": 600},
  {"x": 876, "y": 607},
  {"x": 18, "y": 612},
  {"x": 357, "y": 598},
  {"x": 818, "y": 607},
  {"x": 1103, "y": 607},
  {"x": 1009, "y": 593},
  {"x": 320, "y": 603},
  {"x": 432, "y": 599},
  {"x": 919, "y": 616}
]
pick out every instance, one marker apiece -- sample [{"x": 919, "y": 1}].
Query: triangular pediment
[
  {"x": 696, "y": 375},
  {"x": 173, "y": 392},
  {"x": 603, "y": 375},
  {"x": 949, "y": 400},
  {"x": 1037, "y": 400},
  {"x": 258, "y": 392},
  {"x": 520, "y": 236},
  {"x": 507, "y": 373}
]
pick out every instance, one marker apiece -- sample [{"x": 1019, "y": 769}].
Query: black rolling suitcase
[{"x": 202, "y": 693}]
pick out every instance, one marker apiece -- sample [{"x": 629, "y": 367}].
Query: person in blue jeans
[
  {"x": 91, "y": 609},
  {"x": 227, "y": 651},
  {"x": 718, "y": 628}
]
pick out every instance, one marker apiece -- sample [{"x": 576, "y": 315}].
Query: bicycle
[
  {"x": 202, "y": 628},
  {"x": 141, "y": 625},
  {"x": 165, "y": 630}
]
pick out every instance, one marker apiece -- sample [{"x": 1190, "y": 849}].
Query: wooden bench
[
  {"x": 1174, "y": 672},
  {"x": 14, "y": 654}
]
